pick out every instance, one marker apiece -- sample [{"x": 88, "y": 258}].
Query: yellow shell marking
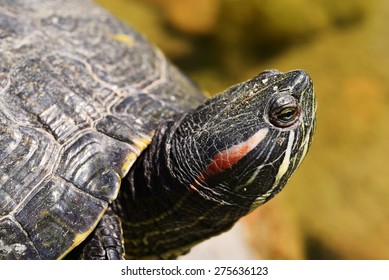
[
  {"x": 123, "y": 38},
  {"x": 131, "y": 158},
  {"x": 78, "y": 238},
  {"x": 142, "y": 143}
]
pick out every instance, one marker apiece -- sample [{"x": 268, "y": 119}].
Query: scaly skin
[{"x": 206, "y": 169}]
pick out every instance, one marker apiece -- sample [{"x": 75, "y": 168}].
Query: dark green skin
[{"x": 81, "y": 97}]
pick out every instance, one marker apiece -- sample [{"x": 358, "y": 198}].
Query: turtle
[{"x": 109, "y": 151}]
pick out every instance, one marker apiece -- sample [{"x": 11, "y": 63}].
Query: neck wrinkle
[{"x": 161, "y": 218}]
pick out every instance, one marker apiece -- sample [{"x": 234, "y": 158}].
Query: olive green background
[{"x": 336, "y": 206}]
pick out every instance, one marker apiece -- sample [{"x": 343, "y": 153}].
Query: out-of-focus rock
[
  {"x": 197, "y": 17},
  {"x": 218, "y": 32},
  {"x": 147, "y": 18},
  {"x": 273, "y": 231},
  {"x": 230, "y": 245}
]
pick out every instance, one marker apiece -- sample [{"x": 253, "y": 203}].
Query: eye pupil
[{"x": 287, "y": 114}]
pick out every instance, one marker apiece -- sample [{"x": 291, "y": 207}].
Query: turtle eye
[{"x": 284, "y": 111}]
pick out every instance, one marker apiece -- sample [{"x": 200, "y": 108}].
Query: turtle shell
[{"x": 80, "y": 96}]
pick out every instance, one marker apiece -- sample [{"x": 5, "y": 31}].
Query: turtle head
[
  {"x": 211, "y": 166},
  {"x": 240, "y": 148}
]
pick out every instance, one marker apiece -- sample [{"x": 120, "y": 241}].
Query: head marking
[
  {"x": 281, "y": 172},
  {"x": 227, "y": 158}
]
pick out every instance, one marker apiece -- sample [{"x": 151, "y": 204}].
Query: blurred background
[{"x": 336, "y": 206}]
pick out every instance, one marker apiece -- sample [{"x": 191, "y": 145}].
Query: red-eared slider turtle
[{"x": 104, "y": 145}]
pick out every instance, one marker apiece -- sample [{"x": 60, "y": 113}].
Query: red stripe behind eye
[{"x": 225, "y": 159}]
